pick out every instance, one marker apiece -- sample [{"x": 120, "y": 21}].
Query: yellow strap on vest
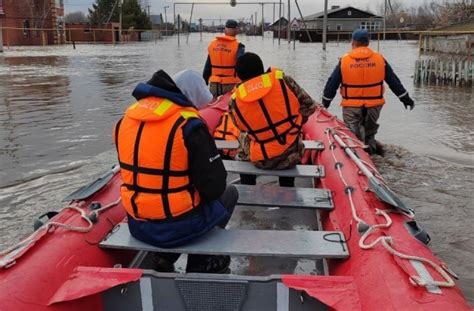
[
  {"x": 267, "y": 82},
  {"x": 163, "y": 107},
  {"x": 279, "y": 74},
  {"x": 133, "y": 106},
  {"x": 234, "y": 95},
  {"x": 242, "y": 91},
  {"x": 189, "y": 114}
]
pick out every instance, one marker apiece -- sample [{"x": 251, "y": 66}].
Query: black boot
[
  {"x": 164, "y": 262},
  {"x": 208, "y": 264}
]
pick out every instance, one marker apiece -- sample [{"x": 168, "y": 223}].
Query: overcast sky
[{"x": 223, "y": 12}]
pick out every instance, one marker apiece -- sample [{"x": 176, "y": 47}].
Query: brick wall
[
  {"x": 82, "y": 32},
  {"x": 23, "y": 17}
]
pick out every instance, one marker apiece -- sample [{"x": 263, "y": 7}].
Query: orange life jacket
[
  {"x": 223, "y": 55},
  {"x": 154, "y": 160},
  {"x": 226, "y": 130},
  {"x": 363, "y": 74},
  {"x": 266, "y": 108}
]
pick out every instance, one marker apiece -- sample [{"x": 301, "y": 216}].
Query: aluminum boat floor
[{"x": 267, "y": 218}]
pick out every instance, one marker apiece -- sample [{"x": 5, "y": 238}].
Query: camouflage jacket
[{"x": 293, "y": 154}]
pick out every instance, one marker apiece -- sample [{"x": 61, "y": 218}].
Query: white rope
[
  {"x": 30, "y": 240},
  {"x": 386, "y": 241},
  {"x": 341, "y": 176}
]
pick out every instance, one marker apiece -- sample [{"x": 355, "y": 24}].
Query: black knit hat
[
  {"x": 162, "y": 80},
  {"x": 230, "y": 23},
  {"x": 249, "y": 66}
]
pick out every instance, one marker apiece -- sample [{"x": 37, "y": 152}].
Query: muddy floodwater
[{"x": 58, "y": 107}]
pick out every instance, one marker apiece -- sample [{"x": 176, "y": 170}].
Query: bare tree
[
  {"x": 431, "y": 14},
  {"x": 76, "y": 17}
]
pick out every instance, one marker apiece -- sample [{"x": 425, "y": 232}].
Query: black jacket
[{"x": 207, "y": 171}]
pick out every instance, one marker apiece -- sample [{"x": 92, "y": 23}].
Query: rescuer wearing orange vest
[
  {"x": 174, "y": 182},
  {"x": 270, "y": 109},
  {"x": 223, "y": 53},
  {"x": 361, "y": 74}
]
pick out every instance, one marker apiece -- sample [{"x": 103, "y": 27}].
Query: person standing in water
[
  {"x": 361, "y": 74},
  {"x": 223, "y": 53}
]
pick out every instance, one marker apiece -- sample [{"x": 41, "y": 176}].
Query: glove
[
  {"x": 326, "y": 103},
  {"x": 408, "y": 102}
]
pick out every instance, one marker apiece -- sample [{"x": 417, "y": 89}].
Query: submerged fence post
[
  {"x": 294, "y": 38},
  {"x": 1, "y": 37},
  {"x": 179, "y": 22}
]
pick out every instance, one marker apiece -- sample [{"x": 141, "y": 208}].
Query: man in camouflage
[{"x": 248, "y": 66}]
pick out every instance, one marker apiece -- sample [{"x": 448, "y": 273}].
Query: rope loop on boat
[
  {"x": 386, "y": 241},
  {"x": 8, "y": 261}
]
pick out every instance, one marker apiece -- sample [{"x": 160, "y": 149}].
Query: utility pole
[
  {"x": 1, "y": 37},
  {"x": 256, "y": 26},
  {"x": 289, "y": 20},
  {"x": 384, "y": 18},
  {"x": 304, "y": 23},
  {"x": 120, "y": 21},
  {"x": 273, "y": 22},
  {"x": 200, "y": 27},
  {"x": 263, "y": 23},
  {"x": 148, "y": 9},
  {"x": 279, "y": 23},
  {"x": 179, "y": 26},
  {"x": 166, "y": 21},
  {"x": 325, "y": 24}
]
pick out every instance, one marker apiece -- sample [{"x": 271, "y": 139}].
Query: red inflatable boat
[{"x": 369, "y": 252}]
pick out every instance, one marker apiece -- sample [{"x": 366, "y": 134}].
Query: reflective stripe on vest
[
  {"x": 226, "y": 130},
  {"x": 268, "y": 111},
  {"x": 363, "y": 75},
  {"x": 154, "y": 160},
  {"x": 223, "y": 55}
]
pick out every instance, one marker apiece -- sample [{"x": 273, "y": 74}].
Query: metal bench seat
[
  {"x": 268, "y": 243},
  {"x": 234, "y": 144},
  {"x": 270, "y": 196},
  {"x": 311, "y": 171}
]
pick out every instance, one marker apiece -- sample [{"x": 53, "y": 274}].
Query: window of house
[
  {"x": 338, "y": 27},
  {"x": 363, "y": 25},
  {"x": 26, "y": 28},
  {"x": 349, "y": 13}
]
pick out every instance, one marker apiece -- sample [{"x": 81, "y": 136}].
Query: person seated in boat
[
  {"x": 361, "y": 74},
  {"x": 174, "y": 182},
  {"x": 223, "y": 52},
  {"x": 193, "y": 86},
  {"x": 270, "y": 109}
]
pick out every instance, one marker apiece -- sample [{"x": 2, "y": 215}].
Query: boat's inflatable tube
[
  {"x": 384, "y": 278},
  {"x": 63, "y": 268}
]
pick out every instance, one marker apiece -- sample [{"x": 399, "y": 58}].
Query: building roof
[
  {"x": 156, "y": 19},
  {"x": 284, "y": 21},
  {"x": 335, "y": 13},
  {"x": 467, "y": 25}
]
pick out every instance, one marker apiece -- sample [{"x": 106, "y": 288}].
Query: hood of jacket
[{"x": 161, "y": 85}]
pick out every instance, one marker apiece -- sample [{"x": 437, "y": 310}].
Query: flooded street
[{"x": 58, "y": 107}]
